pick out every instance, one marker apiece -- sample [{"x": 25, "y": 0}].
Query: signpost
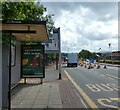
[{"x": 32, "y": 61}]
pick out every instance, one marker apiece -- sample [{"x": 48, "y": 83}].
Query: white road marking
[
  {"x": 102, "y": 75},
  {"x": 113, "y": 76},
  {"x": 85, "y": 96},
  {"x": 81, "y": 99}
]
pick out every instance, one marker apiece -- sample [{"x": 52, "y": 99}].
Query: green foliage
[
  {"x": 85, "y": 54},
  {"x": 6, "y": 38},
  {"x": 50, "y": 23},
  {"x": 21, "y": 11},
  {"x": 51, "y": 57},
  {"x": 30, "y": 11},
  {"x": 0, "y": 11}
]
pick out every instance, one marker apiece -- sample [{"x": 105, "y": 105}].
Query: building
[{"x": 114, "y": 55}]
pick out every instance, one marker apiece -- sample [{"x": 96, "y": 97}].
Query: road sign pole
[
  {"x": 60, "y": 68},
  {"x": 57, "y": 61}
]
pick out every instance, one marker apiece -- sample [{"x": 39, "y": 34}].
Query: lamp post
[{"x": 110, "y": 50}]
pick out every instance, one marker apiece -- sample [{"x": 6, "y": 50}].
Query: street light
[
  {"x": 109, "y": 45},
  {"x": 99, "y": 48},
  {"x": 110, "y": 50},
  {"x": 99, "y": 55},
  {"x": 52, "y": 14}
]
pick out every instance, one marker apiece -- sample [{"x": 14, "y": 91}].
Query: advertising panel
[{"x": 32, "y": 61}]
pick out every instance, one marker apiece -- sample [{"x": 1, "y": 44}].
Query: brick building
[{"x": 114, "y": 55}]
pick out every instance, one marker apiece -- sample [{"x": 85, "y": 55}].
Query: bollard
[
  {"x": 85, "y": 65},
  {"x": 98, "y": 67},
  {"x": 89, "y": 67},
  {"x": 105, "y": 66}
]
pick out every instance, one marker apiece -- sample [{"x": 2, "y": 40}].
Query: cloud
[
  {"x": 100, "y": 30},
  {"x": 85, "y": 25},
  {"x": 101, "y": 8},
  {"x": 78, "y": 0}
]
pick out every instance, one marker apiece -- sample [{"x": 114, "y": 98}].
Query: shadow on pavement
[{"x": 20, "y": 87}]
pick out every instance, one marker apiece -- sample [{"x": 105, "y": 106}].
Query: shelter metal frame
[{"x": 5, "y": 27}]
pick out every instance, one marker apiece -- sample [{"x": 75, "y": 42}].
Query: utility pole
[
  {"x": 60, "y": 68},
  {"x": 58, "y": 59}
]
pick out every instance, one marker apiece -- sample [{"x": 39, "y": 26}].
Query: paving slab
[
  {"x": 43, "y": 96},
  {"x": 53, "y": 93},
  {"x": 40, "y": 106},
  {"x": 55, "y": 106},
  {"x": 27, "y": 102},
  {"x": 24, "y": 106}
]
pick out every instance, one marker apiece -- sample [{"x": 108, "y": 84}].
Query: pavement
[{"x": 53, "y": 93}]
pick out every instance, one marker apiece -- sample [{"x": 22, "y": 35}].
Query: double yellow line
[{"x": 84, "y": 95}]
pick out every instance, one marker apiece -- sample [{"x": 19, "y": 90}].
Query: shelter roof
[{"x": 26, "y": 30}]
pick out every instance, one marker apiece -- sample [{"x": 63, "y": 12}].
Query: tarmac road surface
[{"x": 98, "y": 87}]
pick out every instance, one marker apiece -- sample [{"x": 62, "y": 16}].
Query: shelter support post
[
  {"x": 41, "y": 80},
  {"x": 25, "y": 81},
  {"x": 1, "y": 70},
  {"x": 9, "y": 87}
]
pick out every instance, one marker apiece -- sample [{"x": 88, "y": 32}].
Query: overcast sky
[{"x": 86, "y": 25}]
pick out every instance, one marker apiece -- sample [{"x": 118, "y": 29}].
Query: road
[{"x": 98, "y": 87}]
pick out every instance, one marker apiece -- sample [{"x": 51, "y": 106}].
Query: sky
[{"x": 86, "y": 25}]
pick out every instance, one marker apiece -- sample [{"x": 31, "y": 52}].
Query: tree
[
  {"x": 50, "y": 23},
  {"x": 85, "y": 54},
  {"x": 29, "y": 11}
]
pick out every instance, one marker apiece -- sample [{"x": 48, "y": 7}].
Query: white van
[{"x": 72, "y": 59}]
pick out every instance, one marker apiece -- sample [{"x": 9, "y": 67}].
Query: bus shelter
[{"x": 17, "y": 32}]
